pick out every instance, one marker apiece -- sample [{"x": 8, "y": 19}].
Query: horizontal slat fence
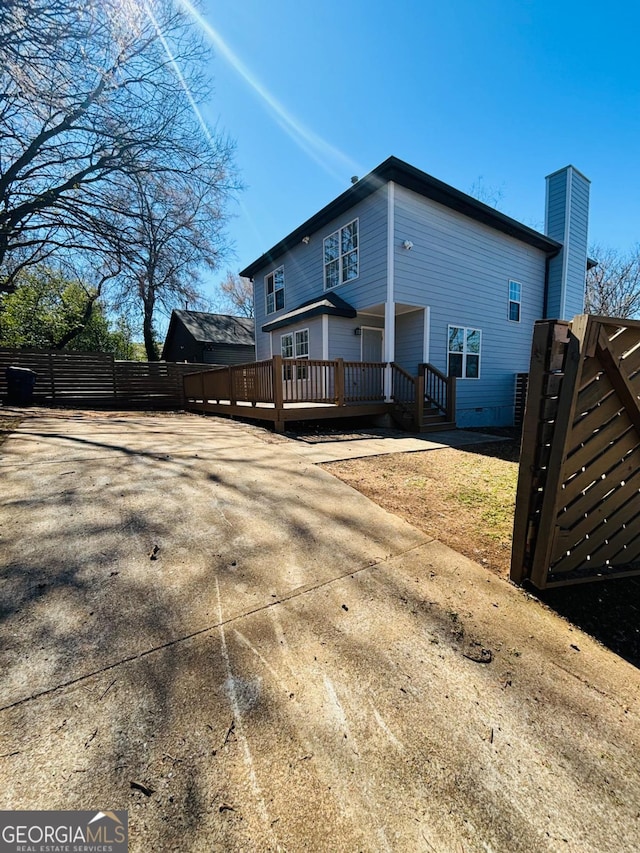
[
  {"x": 96, "y": 378},
  {"x": 578, "y": 501}
]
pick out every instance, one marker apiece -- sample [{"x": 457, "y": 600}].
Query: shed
[{"x": 201, "y": 337}]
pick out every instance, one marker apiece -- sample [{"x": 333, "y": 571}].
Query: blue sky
[{"x": 492, "y": 92}]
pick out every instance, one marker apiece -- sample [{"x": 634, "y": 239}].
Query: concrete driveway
[{"x": 281, "y": 664}]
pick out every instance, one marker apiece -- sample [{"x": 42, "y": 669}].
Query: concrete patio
[{"x": 282, "y": 664}]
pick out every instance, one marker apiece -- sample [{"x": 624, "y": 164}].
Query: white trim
[
  {"x": 371, "y": 329},
  {"x": 517, "y": 302},
  {"x": 293, "y": 334},
  {"x": 389, "y": 305},
  {"x": 427, "y": 334},
  {"x": 270, "y": 344},
  {"x": 465, "y": 329},
  {"x": 339, "y": 231},
  {"x": 287, "y": 335},
  {"x": 273, "y": 272},
  {"x": 325, "y": 337}
]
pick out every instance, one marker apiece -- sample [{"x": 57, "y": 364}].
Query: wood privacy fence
[
  {"x": 90, "y": 378},
  {"x": 578, "y": 501}
]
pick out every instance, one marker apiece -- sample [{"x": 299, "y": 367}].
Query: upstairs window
[
  {"x": 464, "y": 352},
  {"x": 515, "y": 293},
  {"x": 341, "y": 255},
  {"x": 274, "y": 288}
]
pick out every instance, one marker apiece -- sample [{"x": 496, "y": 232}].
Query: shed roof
[
  {"x": 216, "y": 328},
  {"x": 414, "y": 179}
]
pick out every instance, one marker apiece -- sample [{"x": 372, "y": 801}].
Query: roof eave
[{"x": 414, "y": 179}]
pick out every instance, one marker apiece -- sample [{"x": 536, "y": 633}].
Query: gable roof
[
  {"x": 330, "y": 304},
  {"x": 215, "y": 328},
  {"x": 407, "y": 176}
]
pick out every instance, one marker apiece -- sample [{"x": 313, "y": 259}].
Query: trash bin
[{"x": 20, "y": 382}]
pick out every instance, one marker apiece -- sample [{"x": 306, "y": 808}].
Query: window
[
  {"x": 274, "y": 287},
  {"x": 286, "y": 346},
  {"x": 464, "y": 352},
  {"x": 295, "y": 343},
  {"x": 302, "y": 344},
  {"x": 341, "y": 255},
  {"x": 515, "y": 292}
]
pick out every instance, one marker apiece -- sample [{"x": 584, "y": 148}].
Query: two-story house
[{"x": 402, "y": 268}]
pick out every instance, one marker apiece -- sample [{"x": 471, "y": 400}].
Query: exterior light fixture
[
  {"x": 357, "y": 331},
  {"x": 305, "y": 240}
]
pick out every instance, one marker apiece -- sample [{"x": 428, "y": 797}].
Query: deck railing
[
  {"x": 363, "y": 381},
  {"x": 278, "y": 381},
  {"x": 439, "y": 390},
  {"x": 406, "y": 395},
  {"x": 291, "y": 380}
]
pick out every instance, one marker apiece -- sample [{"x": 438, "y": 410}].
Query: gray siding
[
  {"x": 461, "y": 269},
  {"x": 410, "y": 340},
  {"x": 304, "y": 267},
  {"x": 314, "y": 325},
  {"x": 228, "y": 354},
  {"x": 343, "y": 342},
  {"x": 567, "y": 220}
]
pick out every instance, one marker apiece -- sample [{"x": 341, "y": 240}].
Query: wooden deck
[{"x": 281, "y": 390}]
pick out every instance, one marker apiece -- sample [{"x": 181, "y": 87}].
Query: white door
[{"x": 372, "y": 345}]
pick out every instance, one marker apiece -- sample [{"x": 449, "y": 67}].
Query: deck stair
[{"x": 423, "y": 403}]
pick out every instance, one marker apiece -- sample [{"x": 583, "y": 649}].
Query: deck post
[
  {"x": 451, "y": 399},
  {"x": 276, "y": 379},
  {"x": 420, "y": 395},
  {"x": 339, "y": 381}
]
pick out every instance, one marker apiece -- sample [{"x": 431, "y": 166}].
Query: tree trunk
[
  {"x": 70, "y": 334},
  {"x": 150, "y": 344}
]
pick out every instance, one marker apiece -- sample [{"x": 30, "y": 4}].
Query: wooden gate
[{"x": 578, "y": 502}]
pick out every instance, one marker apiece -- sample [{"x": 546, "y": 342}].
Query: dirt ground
[{"x": 466, "y": 499}]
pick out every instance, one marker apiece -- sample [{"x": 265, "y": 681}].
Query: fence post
[
  {"x": 232, "y": 396},
  {"x": 52, "y": 373},
  {"x": 339, "y": 381},
  {"x": 524, "y": 532},
  {"x": 567, "y": 398},
  {"x": 276, "y": 372}
]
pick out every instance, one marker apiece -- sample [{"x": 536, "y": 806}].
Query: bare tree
[
  {"x": 613, "y": 285},
  {"x": 493, "y": 196},
  {"x": 171, "y": 232},
  {"x": 238, "y": 294},
  {"x": 91, "y": 94}
]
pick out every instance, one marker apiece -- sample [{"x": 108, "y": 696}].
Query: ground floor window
[
  {"x": 464, "y": 352},
  {"x": 295, "y": 345}
]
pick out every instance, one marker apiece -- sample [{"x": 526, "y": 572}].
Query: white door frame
[{"x": 373, "y": 329}]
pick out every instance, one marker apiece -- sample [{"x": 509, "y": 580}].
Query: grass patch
[{"x": 463, "y": 497}]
